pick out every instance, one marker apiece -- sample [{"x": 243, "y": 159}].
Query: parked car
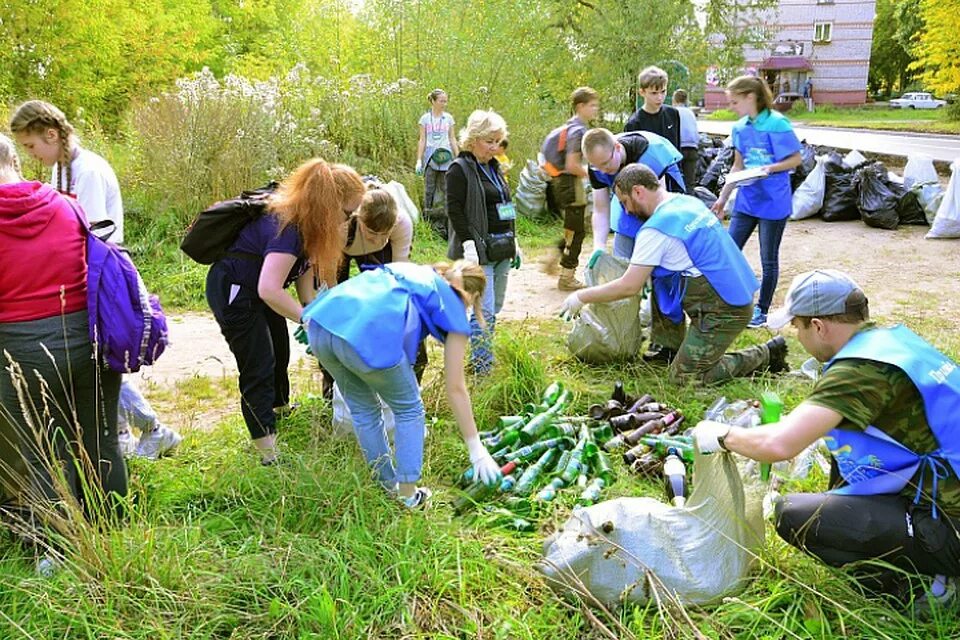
[
  {"x": 917, "y": 100},
  {"x": 784, "y": 101}
]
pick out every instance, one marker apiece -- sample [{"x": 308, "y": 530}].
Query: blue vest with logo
[
  {"x": 373, "y": 312},
  {"x": 662, "y": 158},
  {"x": 766, "y": 139},
  {"x": 711, "y": 250},
  {"x": 871, "y": 461}
]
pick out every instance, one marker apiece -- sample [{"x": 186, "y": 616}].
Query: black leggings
[
  {"x": 563, "y": 195},
  {"x": 258, "y": 338},
  {"x": 841, "y": 529}
]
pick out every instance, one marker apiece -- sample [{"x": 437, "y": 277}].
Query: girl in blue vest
[
  {"x": 762, "y": 138},
  {"x": 366, "y": 331}
]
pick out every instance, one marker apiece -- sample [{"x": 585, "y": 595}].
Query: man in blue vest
[
  {"x": 697, "y": 272},
  {"x": 888, "y": 408}
]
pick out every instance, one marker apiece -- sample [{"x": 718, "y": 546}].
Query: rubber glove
[
  {"x": 470, "y": 252},
  {"x": 419, "y": 168},
  {"x": 707, "y": 435},
  {"x": 517, "y": 259},
  {"x": 594, "y": 257},
  {"x": 570, "y": 309},
  {"x": 485, "y": 468},
  {"x": 300, "y": 335}
]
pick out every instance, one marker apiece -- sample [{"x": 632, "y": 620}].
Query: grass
[
  {"x": 868, "y": 117},
  {"x": 217, "y": 546}
]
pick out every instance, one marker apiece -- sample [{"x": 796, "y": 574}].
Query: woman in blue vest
[
  {"x": 482, "y": 223},
  {"x": 888, "y": 408},
  {"x": 366, "y": 331},
  {"x": 762, "y": 138},
  {"x": 697, "y": 272}
]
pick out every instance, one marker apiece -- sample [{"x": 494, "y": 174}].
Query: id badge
[{"x": 507, "y": 211}]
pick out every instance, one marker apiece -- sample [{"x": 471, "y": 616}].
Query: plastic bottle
[
  {"x": 675, "y": 478},
  {"x": 592, "y": 493},
  {"x": 715, "y": 410},
  {"x": 771, "y": 408}
]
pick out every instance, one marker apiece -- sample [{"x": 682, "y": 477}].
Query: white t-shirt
[
  {"x": 656, "y": 249},
  {"x": 94, "y": 184},
  {"x": 437, "y": 130}
]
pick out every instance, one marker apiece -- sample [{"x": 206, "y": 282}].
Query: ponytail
[{"x": 469, "y": 281}]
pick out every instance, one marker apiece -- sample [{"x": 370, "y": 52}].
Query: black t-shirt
[
  {"x": 457, "y": 197},
  {"x": 665, "y": 122},
  {"x": 633, "y": 146}
]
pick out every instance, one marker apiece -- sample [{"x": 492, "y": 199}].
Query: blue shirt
[
  {"x": 762, "y": 141},
  {"x": 689, "y": 136}
]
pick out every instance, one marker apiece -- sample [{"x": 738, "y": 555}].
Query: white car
[{"x": 917, "y": 101}]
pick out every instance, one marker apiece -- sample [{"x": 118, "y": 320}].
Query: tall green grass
[{"x": 217, "y": 546}]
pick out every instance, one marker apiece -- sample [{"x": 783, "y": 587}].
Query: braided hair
[{"x": 37, "y": 117}]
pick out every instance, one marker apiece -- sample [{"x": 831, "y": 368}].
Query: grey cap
[{"x": 818, "y": 293}]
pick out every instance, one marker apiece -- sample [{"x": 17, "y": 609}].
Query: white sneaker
[
  {"x": 925, "y": 606},
  {"x": 128, "y": 443},
  {"x": 158, "y": 442},
  {"x": 418, "y": 500}
]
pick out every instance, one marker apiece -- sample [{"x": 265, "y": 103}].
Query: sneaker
[
  {"x": 158, "y": 442},
  {"x": 928, "y": 603},
  {"x": 777, "y": 348},
  {"x": 418, "y": 500},
  {"x": 758, "y": 320},
  {"x": 658, "y": 354},
  {"x": 128, "y": 443}
]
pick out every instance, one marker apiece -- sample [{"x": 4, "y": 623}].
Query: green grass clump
[{"x": 216, "y": 546}]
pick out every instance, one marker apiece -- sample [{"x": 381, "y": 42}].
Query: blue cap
[{"x": 816, "y": 294}]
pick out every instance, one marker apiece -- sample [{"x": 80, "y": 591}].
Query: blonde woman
[
  {"x": 482, "y": 224},
  {"x": 300, "y": 238},
  {"x": 365, "y": 332}
]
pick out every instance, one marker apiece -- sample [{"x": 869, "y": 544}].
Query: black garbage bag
[
  {"x": 910, "y": 210},
  {"x": 808, "y": 156},
  {"x": 716, "y": 173},
  {"x": 840, "y": 195},
  {"x": 704, "y": 158},
  {"x": 706, "y": 196},
  {"x": 876, "y": 197}
]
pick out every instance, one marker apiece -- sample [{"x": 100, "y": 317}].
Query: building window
[{"x": 822, "y": 31}]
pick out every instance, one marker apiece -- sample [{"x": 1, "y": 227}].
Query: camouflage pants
[{"x": 701, "y": 347}]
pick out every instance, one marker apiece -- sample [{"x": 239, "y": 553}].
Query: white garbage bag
[
  {"x": 919, "y": 169},
  {"x": 808, "y": 198},
  {"x": 946, "y": 224},
  {"x": 610, "y": 331},
  {"x": 627, "y": 549},
  {"x": 854, "y": 159}
]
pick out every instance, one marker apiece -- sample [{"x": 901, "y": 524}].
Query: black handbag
[{"x": 500, "y": 246}]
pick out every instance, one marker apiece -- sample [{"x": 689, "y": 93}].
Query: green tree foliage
[{"x": 890, "y": 56}]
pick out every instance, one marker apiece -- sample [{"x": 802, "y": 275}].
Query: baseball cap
[{"x": 818, "y": 293}]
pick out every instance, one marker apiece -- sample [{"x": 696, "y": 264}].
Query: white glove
[
  {"x": 707, "y": 435},
  {"x": 485, "y": 468},
  {"x": 570, "y": 309},
  {"x": 470, "y": 252}
]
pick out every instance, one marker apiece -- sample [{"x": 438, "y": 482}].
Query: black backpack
[{"x": 212, "y": 232}]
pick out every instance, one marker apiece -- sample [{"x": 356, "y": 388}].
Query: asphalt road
[{"x": 939, "y": 147}]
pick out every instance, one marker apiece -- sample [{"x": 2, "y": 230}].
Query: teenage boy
[
  {"x": 888, "y": 408},
  {"x": 654, "y": 116},
  {"x": 697, "y": 271},
  {"x": 689, "y": 139},
  {"x": 563, "y": 161}
]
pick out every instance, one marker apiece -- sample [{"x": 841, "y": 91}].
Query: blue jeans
[
  {"x": 771, "y": 232},
  {"x": 135, "y": 410},
  {"x": 360, "y": 385},
  {"x": 481, "y": 341}
]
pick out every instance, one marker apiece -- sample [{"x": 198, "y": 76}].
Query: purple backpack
[{"x": 127, "y": 325}]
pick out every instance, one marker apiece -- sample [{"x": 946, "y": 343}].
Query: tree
[
  {"x": 890, "y": 55},
  {"x": 937, "y": 47}
]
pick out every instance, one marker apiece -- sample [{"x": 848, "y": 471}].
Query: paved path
[{"x": 939, "y": 147}]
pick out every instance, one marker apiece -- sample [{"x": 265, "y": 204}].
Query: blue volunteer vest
[
  {"x": 370, "y": 311},
  {"x": 662, "y": 158},
  {"x": 766, "y": 139},
  {"x": 711, "y": 250},
  {"x": 871, "y": 461}
]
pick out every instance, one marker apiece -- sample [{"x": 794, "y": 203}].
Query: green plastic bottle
[
  {"x": 530, "y": 477},
  {"x": 771, "y": 408}
]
